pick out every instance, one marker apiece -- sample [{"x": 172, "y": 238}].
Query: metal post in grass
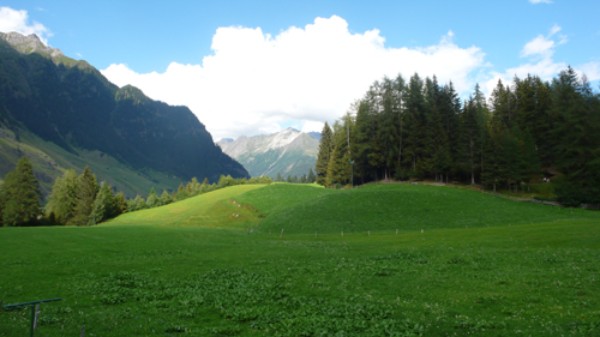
[{"x": 35, "y": 310}]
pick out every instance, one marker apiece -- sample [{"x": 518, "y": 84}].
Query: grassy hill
[
  {"x": 217, "y": 209},
  {"x": 481, "y": 266},
  {"x": 390, "y": 207}
]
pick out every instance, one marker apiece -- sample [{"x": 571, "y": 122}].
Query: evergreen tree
[
  {"x": 339, "y": 170},
  {"x": 104, "y": 207},
  {"x": 120, "y": 203},
  {"x": 181, "y": 193},
  {"x": 136, "y": 204},
  {"x": 63, "y": 198},
  {"x": 20, "y": 196},
  {"x": 414, "y": 125},
  {"x": 325, "y": 147},
  {"x": 87, "y": 188},
  {"x": 165, "y": 198},
  {"x": 152, "y": 199},
  {"x": 364, "y": 139},
  {"x": 193, "y": 187},
  {"x": 578, "y": 131},
  {"x": 472, "y": 130}
]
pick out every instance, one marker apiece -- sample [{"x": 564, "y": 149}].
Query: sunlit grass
[{"x": 191, "y": 270}]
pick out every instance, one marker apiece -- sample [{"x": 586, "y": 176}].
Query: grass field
[{"x": 297, "y": 260}]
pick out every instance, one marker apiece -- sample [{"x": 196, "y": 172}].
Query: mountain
[
  {"x": 64, "y": 114},
  {"x": 286, "y": 153}
]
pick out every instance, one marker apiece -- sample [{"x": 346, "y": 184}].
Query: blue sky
[{"x": 247, "y": 67}]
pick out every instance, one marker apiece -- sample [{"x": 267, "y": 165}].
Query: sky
[{"x": 255, "y": 67}]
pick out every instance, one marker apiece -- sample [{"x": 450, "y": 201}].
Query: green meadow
[{"x": 300, "y": 260}]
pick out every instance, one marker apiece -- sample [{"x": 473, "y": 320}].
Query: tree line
[
  {"x": 79, "y": 200},
  {"x": 531, "y": 131}
]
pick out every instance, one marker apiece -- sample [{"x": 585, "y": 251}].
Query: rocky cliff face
[{"x": 29, "y": 44}]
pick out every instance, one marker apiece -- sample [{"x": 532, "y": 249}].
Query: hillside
[
  {"x": 391, "y": 207},
  {"x": 384, "y": 208},
  {"x": 286, "y": 153},
  {"x": 64, "y": 113}
]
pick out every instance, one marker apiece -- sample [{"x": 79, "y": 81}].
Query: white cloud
[
  {"x": 254, "y": 82},
  {"x": 544, "y": 46},
  {"x": 540, "y": 45},
  {"x": 591, "y": 70},
  {"x": 537, "y": 2},
  {"x": 539, "y": 53},
  {"x": 12, "y": 20}
]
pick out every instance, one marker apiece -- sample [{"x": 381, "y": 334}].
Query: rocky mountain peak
[{"x": 29, "y": 44}]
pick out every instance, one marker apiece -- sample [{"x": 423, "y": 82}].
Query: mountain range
[
  {"x": 63, "y": 113},
  {"x": 285, "y": 153}
]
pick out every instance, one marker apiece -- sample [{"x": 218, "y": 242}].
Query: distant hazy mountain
[
  {"x": 63, "y": 113},
  {"x": 286, "y": 153}
]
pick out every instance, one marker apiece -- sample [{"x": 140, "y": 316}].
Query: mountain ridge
[
  {"x": 48, "y": 99},
  {"x": 285, "y": 153}
]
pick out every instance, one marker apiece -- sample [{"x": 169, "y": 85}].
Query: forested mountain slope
[{"x": 64, "y": 113}]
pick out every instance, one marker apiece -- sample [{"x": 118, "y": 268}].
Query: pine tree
[
  {"x": 20, "y": 196},
  {"x": 104, "y": 207},
  {"x": 86, "y": 195},
  {"x": 339, "y": 170},
  {"x": 576, "y": 110},
  {"x": 414, "y": 125},
  {"x": 364, "y": 139},
  {"x": 63, "y": 198},
  {"x": 325, "y": 147},
  {"x": 152, "y": 199},
  {"x": 181, "y": 193},
  {"x": 120, "y": 203},
  {"x": 472, "y": 130},
  {"x": 136, "y": 204},
  {"x": 165, "y": 198}
]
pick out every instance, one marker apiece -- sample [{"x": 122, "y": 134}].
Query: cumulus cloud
[
  {"x": 254, "y": 82},
  {"x": 12, "y": 20}
]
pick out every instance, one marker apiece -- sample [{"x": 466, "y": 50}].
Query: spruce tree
[
  {"x": 104, "y": 206},
  {"x": 152, "y": 200},
  {"x": 120, "y": 203},
  {"x": 86, "y": 195},
  {"x": 339, "y": 170},
  {"x": 325, "y": 147},
  {"x": 21, "y": 196},
  {"x": 63, "y": 198},
  {"x": 165, "y": 198}
]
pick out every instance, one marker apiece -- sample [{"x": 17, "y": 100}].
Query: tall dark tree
[
  {"x": 20, "y": 196},
  {"x": 325, "y": 148},
  {"x": 414, "y": 125},
  {"x": 390, "y": 122},
  {"x": 449, "y": 111},
  {"x": 578, "y": 130},
  {"x": 472, "y": 131},
  {"x": 365, "y": 138},
  {"x": 86, "y": 195},
  {"x": 339, "y": 170}
]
